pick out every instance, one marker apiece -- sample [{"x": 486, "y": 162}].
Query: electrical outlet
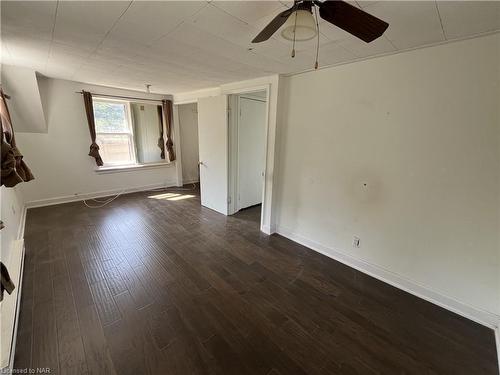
[{"x": 356, "y": 242}]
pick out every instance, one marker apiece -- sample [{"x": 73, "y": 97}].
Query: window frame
[
  {"x": 130, "y": 135},
  {"x": 117, "y": 167}
]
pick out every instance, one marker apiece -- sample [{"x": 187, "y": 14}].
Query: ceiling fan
[{"x": 303, "y": 26}]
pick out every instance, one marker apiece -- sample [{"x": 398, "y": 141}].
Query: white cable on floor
[
  {"x": 107, "y": 201},
  {"x": 103, "y": 202}
]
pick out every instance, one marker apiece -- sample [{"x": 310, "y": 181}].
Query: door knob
[{"x": 200, "y": 163}]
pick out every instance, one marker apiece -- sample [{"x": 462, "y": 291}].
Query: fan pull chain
[
  {"x": 316, "y": 64},
  {"x": 294, "y": 32}
]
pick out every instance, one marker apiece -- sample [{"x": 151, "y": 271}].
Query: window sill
[{"x": 131, "y": 168}]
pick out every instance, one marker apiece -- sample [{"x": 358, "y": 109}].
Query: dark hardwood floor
[{"x": 165, "y": 286}]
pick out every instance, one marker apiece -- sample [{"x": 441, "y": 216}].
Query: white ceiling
[{"x": 181, "y": 46}]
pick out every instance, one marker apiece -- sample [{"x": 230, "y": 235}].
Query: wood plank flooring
[{"x": 165, "y": 286}]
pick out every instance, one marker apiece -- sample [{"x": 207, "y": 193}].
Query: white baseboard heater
[{"x": 9, "y": 307}]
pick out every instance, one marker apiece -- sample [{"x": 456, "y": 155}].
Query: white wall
[
  {"x": 25, "y": 107},
  {"x": 59, "y": 159},
  {"x": 188, "y": 124},
  {"x": 421, "y": 129}
]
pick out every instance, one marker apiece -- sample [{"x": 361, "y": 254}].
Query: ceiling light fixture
[{"x": 300, "y": 26}]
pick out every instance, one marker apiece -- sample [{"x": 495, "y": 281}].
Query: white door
[
  {"x": 212, "y": 138},
  {"x": 251, "y": 151}
]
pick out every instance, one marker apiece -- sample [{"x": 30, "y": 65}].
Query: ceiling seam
[
  {"x": 113, "y": 26},
  {"x": 348, "y": 50},
  {"x": 229, "y": 14},
  {"x": 104, "y": 38},
  {"x": 440, "y": 19},
  {"x": 390, "y": 41},
  {"x": 252, "y": 25},
  {"x": 52, "y": 36},
  {"x": 167, "y": 34},
  {"x": 180, "y": 23}
]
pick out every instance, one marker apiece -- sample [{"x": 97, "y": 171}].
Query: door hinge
[{"x": 228, "y": 200}]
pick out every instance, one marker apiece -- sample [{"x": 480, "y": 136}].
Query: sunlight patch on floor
[{"x": 172, "y": 196}]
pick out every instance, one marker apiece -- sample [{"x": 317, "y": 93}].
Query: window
[
  {"x": 128, "y": 132},
  {"x": 114, "y": 132}
]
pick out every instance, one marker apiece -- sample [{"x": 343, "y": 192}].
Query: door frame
[
  {"x": 233, "y": 149},
  {"x": 271, "y": 85}
]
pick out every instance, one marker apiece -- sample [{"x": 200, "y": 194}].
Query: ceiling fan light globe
[{"x": 304, "y": 27}]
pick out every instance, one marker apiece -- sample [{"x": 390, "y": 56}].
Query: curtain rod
[{"x": 120, "y": 97}]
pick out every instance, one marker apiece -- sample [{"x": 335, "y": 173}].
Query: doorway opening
[
  {"x": 247, "y": 149},
  {"x": 188, "y": 126},
  {"x": 234, "y": 165}
]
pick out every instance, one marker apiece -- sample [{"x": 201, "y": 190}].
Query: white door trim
[
  {"x": 269, "y": 157},
  {"x": 271, "y": 85}
]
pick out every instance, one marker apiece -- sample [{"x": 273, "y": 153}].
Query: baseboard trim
[
  {"x": 98, "y": 194},
  {"x": 190, "y": 182},
  {"x": 485, "y": 318},
  {"x": 268, "y": 229}
]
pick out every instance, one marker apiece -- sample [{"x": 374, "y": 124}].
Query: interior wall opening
[
  {"x": 247, "y": 149},
  {"x": 188, "y": 126}
]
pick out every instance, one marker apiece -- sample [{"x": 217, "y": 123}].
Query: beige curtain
[
  {"x": 14, "y": 169},
  {"x": 167, "y": 110},
  {"x": 161, "y": 140},
  {"x": 89, "y": 109}
]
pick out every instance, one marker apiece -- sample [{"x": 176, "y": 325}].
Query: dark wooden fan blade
[
  {"x": 353, "y": 20},
  {"x": 273, "y": 26}
]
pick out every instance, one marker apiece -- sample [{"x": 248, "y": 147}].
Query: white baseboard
[
  {"x": 12, "y": 308},
  {"x": 190, "y": 182},
  {"x": 98, "y": 194},
  {"x": 268, "y": 229},
  {"x": 485, "y": 318}
]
